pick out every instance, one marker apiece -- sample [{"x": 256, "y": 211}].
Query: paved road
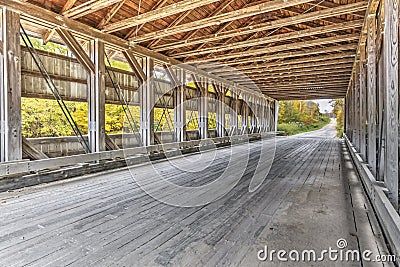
[{"x": 329, "y": 131}]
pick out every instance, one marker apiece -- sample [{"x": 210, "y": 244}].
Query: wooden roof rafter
[
  {"x": 222, "y": 18},
  {"x": 275, "y": 38},
  {"x": 166, "y": 11},
  {"x": 274, "y": 43},
  {"x": 359, "y": 6}
]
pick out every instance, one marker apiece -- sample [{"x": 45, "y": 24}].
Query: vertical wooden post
[
  {"x": 381, "y": 129},
  {"x": 147, "y": 98},
  {"x": 276, "y": 115},
  {"x": 220, "y": 110},
  {"x": 245, "y": 114},
  {"x": 390, "y": 53},
  {"x": 203, "y": 110},
  {"x": 345, "y": 114},
  {"x": 261, "y": 111},
  {"x": 234, "y": 111},
  {"x": 252, "y": 111},
  {"x": 269, "y": 129},
  {"x": 371, "y": 96},
  {"x": 10, "y": 87},
  {"x": 357, "y": 107},
  {"x": 363, "y": 104},
  {"x": 179, "y": 107},
  {"x": 96, "y": 98}
]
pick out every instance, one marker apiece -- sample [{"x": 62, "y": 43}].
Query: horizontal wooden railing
[
  {"x": 24, "y": 167},
  {"x": 376, "y": 191}
]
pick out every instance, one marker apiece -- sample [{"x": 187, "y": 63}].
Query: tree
[{"x": 338, "y": 110}]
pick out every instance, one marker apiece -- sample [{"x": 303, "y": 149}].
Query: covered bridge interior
[{"x": 152, "y": 195}]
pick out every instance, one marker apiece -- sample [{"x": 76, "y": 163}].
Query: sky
[{"x": 324, "y": 105}]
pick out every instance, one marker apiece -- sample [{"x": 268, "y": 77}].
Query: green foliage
[
  {"x": 338, "y": 107},
  {"x": 44, "y": 118},
  {"x": 300, "y": 116},
  {"x": 119, "y": 65},
  {"x": 296, "y": 128},
  {"x": 50, "y": 47}
]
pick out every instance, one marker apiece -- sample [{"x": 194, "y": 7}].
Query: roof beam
[
  {"x": 291, "y": 54},
  {"x": 222, "y": 18},
  {"x": 110, "y": 14},
  {"x": 278, "y": 71},
  {"x": 173, "y": 24},
  {"x": 311, "y": 84},
  {"x": 299, "y": 74},
  {"x": 279, "y": 48},
  {"x": 314, "y": 61},
  {"x": 333, "y": 89},
  {"x": 45, "y": 18},
  {"x": 87, "y": 8},
  {"x": 217, "y": 11},
  {"x": 135, "y": 30},
  {"x": 292, "y": 81},
  {"x": 49, "y": 34},
  {"x": 159, "y": 13},
  {"x": 68, "y": 5},
  {"x": 275, "y": 38},
  {"x": 329, "y": 12}
]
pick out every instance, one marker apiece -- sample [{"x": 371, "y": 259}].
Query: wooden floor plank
[{"x": 107, "y": 219}]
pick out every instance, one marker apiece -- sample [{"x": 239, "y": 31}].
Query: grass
[{"x": 297, "y": 127}]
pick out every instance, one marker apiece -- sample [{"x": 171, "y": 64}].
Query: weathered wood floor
[{"x": 310, "y": 199}]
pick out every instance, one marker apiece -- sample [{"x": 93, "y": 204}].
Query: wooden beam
[
  {"x": 179, "y": 103},
  {"x": 159, "y": 13},
  {"x": 40, "y": 16},
  {"x": 335, "y": 90},
  {"x": 202, "y": 86},
  {"x": 286, "y": 55},
  {"x": 147, "y": 101},
  {"x": 10, "y": 86},
  {"x": 290, "y": 80},
  {"x": 347, "y": 68},
  {"x": 134, "y": 30},
  {"x": 371, "y": 99},
  {"x": 315, "y": 61},
  {"x": 68, "y": 5},
  {"x": 176, "y": 21},
  {"x": 87, "y": 8},
  {"x": 363, "y": 104},
  {"x": 110, "y": 14},
  {"x": 49, "y": 34},
  {"x": 76, "y": 49},
  {"x": 222, "y": 18},
  {"x": 391, "y": 77},
  {"x": 279, "y": 48},
  {"x": 96, "y": 98},
  {"x": 135, "y": 66},
  {"x": 340, "y": 90},
  {"x": 309, "y": 84},
  {"x": 28, "y": 150},
  {"x": 274, "y": 38},
  {"x": 329, "y": 12},
  {"x": 215, "y": 12}
]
